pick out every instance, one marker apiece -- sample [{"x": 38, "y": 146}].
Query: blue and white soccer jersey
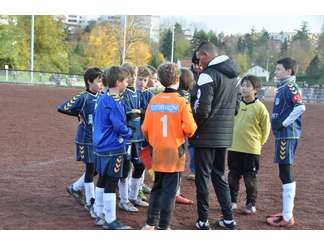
[
  {"x": 82, "y": 106},
  {"x": 132, "y": 102},
  {"x": 286, "y": 100}
]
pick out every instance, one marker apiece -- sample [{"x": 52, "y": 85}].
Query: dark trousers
[
  {"x": 162, "y": 199},
  {"x": 246, "y": 165},
  {"x": 210, "y": 163}
]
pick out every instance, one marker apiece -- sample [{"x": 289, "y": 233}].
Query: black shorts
[{"x": 243, "y": 162}]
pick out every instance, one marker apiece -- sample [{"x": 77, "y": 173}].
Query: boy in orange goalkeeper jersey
[{"x": 168, "y": 121}]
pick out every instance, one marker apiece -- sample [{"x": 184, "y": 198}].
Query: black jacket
[{"x": 215, "y": 105}]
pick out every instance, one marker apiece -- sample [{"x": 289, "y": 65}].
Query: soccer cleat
[
  {"x": 200, "y": 225},
  {"x": 158, "y": 228},
  {"x": 100, "y": 220},
  {"x": 115, "y": 225},
  {"x": 249, "y": 209},
  {"x": 142, "y": 196},
  {"x": 139, "y": 203},
  {"x": 127, "y": 206},
  {"x": 92, "y": 212},
  {"x": 148, "y": 227},
  {"x": 180, "y": 199},
  {"x": 146, "y": 189},
  {"x": 274, "y": 215},
  {"x": 77, "y": 195},
  {"x": 87, "y": 207},
  {"x": 223, "y": 224},
  {"x": 279, "y": 221}
]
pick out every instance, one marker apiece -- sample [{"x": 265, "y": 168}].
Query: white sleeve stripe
[
  {"x": 297, "y": 111},
  {"x": 203, "y": 79}
]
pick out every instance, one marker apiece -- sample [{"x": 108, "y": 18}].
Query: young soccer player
[
  {"x": 109, "y": 138},
  {"x": 251, "y": 131},
  {"x": 168, "y": 120},
  {"x": 185, "y": 85},
  {"x": 143, "y": 77},
  {"x": 131, "y": 100},
  {"x": 286, "y": 127},
  {"x": 82, "y": 106}
]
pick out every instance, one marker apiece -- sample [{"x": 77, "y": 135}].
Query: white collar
[{"x": 218, "y": 59}]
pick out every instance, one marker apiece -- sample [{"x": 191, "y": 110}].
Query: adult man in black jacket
[{"x": 214, "y": 111}]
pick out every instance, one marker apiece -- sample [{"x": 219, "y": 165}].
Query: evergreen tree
[
  {"x": 302, "y": 33},
  {"x": 166, "y": 43},
  {"x": 314, "y": 69}
]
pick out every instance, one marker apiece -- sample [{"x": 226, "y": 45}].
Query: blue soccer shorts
[{"x": 285, "y": 150}]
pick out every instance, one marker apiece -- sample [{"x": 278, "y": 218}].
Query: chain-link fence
[
  {"x": 310, "y": 95},
  {"x": 41, "y": 78}
]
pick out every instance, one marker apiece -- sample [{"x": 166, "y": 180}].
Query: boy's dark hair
[
  {"x": 130, "y": 68},
  {"x": 112, "y": 75},
  {"x": 254, "y": 81},
  {"x": 194, "y": 58},
  {"x": 168, "y": 74},
  {"x": 289, "y": 63},
  {"x": 143, "y": 71},
  {"x": 207, "y": 47},
  {"x": 90, "y": 75},
  {"x": 186, "y": 79}
]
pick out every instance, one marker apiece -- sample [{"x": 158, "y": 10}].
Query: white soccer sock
[
  {"x": 134, "y": 188},
  {"x": 99, "y": 204},
  {"x": 178, "y": 191},
  {"x": 123, "y": 190},
  {"x": 78, "y": 185},
  {"x": 109, "y": 206},
  {"x": 129, "y": 178},
  {"x": 89, "y": 192},
  {"x": 288, "y": 196}
]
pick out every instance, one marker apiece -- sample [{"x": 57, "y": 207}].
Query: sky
[
  {"x": 232, "y": 24},
  {"x": 233, "y": 16}
]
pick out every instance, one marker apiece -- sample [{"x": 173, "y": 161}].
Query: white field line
[{"x": 40, "y": 163}]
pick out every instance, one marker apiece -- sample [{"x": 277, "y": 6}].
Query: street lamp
[
  {"x": 32, "y": 48},
  {"x": 124, "y": 44},
  {"x": 172, "y": 44}
]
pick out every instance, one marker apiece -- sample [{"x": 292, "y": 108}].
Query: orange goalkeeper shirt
[{"x": 168, "y": 120}]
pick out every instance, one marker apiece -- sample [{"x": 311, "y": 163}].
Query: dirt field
[{"x": 37, "y": 163}]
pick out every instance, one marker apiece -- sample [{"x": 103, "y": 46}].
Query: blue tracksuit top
[
  {"x": 110, "y": 131},
  {"x": 82, "y": 106},
  {"x": 287, "y": 97}
]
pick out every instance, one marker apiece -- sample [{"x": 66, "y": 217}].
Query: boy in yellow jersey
[
  {"x": 168, "y": 121},
  {"x": 251, "y": 131}
]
